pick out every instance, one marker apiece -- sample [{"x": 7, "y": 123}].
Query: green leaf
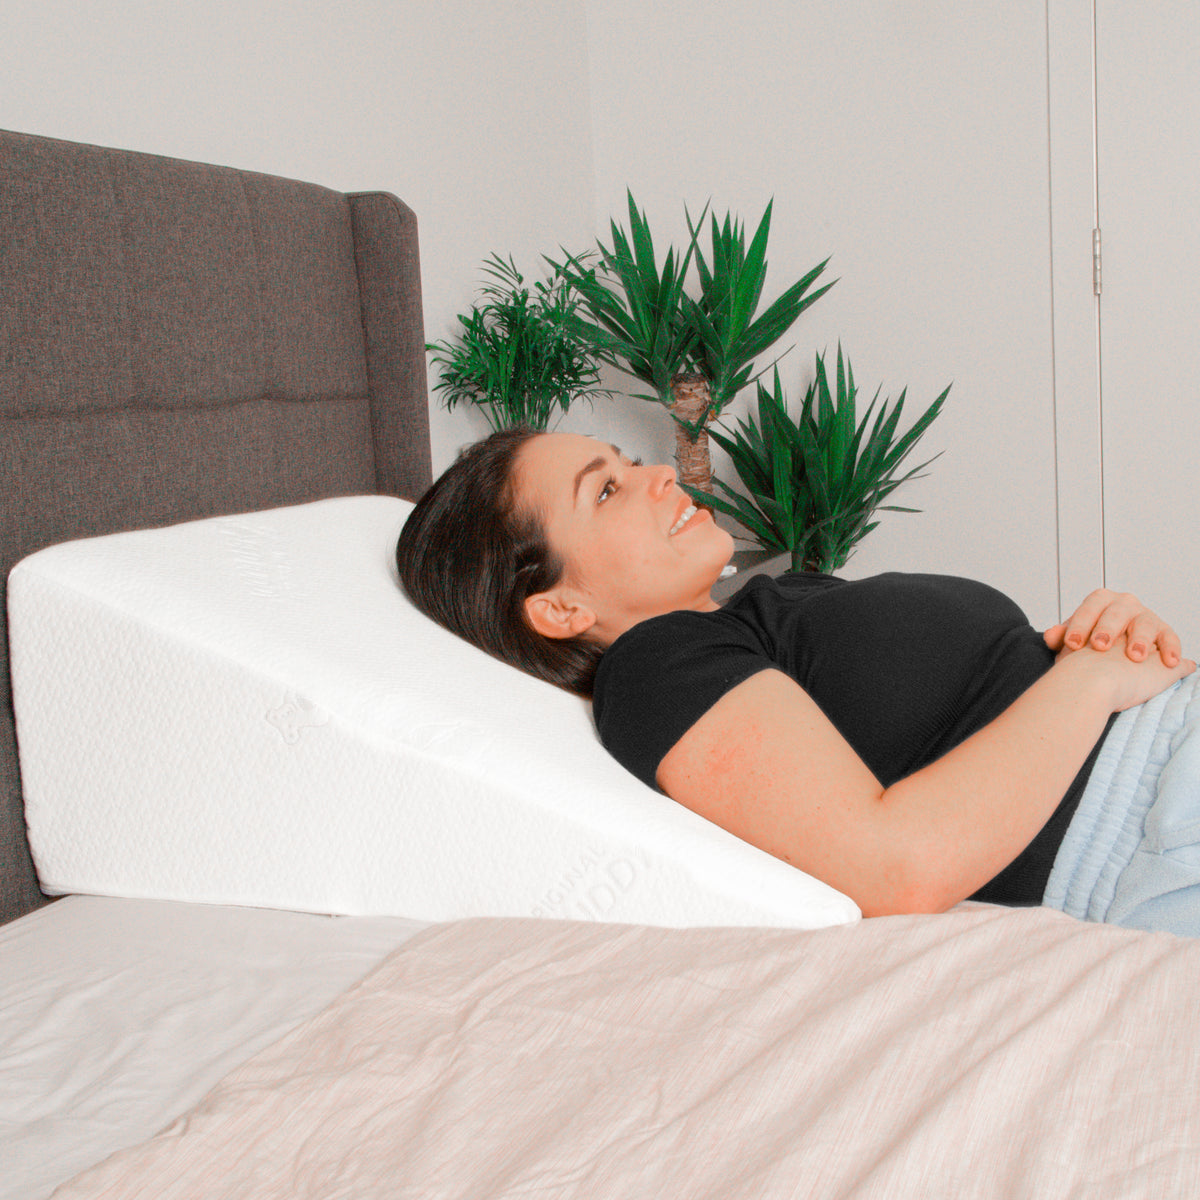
[
  {"x": 728, "y": 338},
  {"x": 811, "y": 484},
  {"x": 633, "y": 306}
]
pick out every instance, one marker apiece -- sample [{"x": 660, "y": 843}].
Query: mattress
[
  {"x": 117, "y": 1015},
  {"x": 247, "y": 710}
]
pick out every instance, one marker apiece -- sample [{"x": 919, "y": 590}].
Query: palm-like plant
[
  {"x": 696, "y": 353},
  {"x": 635, "y": 318},
  {"x": 813, "y": 484},
  {"x": 729, "y": 338},
  {"x": 634, "y": 307},
  {"x": 517, "y": 355}
]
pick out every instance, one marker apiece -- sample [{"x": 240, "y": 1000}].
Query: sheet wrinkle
[{"x": 877, "y": 1092}]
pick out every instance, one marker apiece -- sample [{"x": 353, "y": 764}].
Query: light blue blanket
[{"x": 1131, "y": 855}]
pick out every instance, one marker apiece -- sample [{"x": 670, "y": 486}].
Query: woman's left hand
[{"x": 1104, "y": 617}]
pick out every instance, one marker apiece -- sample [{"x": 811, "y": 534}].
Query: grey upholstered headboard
[{"x": 180, "y": 340}]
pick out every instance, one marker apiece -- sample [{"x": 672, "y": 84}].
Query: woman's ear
[{"x": 554, "y": 615}]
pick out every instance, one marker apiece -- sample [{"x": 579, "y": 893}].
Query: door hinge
[{"x": 1096, "y": 261}]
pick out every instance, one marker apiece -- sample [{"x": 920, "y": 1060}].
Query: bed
[{"x": 185, "y": 343}]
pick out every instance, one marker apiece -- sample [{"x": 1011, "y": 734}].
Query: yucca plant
[
  {"x": 633, "y": 307},
  {"x": 813, "y": 484},
  {"x": 517, "y": 356},
  {"x": 632, "y": 316},
  {"x": 729, "y": 338},
  {"x": 695, "y": 352}
]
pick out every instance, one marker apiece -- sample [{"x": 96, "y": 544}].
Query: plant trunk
[{"x": 690, "y": 401}]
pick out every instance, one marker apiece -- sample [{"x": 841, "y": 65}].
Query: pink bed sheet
[{"x": 982, "y": 1053}]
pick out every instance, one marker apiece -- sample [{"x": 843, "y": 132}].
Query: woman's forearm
[
  {"x": 767, "y": 764},
  {"x": 962, "y": 819}
]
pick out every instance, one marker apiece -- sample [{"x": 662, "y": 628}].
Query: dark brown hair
[{"x": 469, "y": 557}]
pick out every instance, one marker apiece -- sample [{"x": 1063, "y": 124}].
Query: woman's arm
[{"x": 766, "y": 764}]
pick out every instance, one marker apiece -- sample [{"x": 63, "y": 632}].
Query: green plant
[
  {"x": 635, "y": 308},
  {"x": 728, "y": 335},
  {"x": 518, "y": 355},
  {"x": 814, "y": 483},
  {"x": 695, "y": 352}
]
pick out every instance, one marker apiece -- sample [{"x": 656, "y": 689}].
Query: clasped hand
[
  {"x": 1146, "y": 645},
  {"x": 1105, "y": 618}
]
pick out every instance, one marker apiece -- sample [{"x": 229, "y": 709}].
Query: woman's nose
[{"x": 661, "y": 478}]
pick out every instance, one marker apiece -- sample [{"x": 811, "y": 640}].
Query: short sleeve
[{"x": 658, "y": 679}]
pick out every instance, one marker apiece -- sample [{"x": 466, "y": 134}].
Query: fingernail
[
  {"x": 1100, "y": 641},
  {"x": 1137, "y": 650}
]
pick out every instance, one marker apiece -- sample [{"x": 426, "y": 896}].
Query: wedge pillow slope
[{"x": 248, "y": 710}]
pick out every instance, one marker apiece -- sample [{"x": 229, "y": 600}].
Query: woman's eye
[{"x": 610, "y": 484}]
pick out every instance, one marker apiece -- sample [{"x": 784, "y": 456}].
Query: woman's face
[{"x": 632, "y": 543}]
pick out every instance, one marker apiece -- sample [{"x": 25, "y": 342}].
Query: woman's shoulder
[
  {"x": 658, "y": 678},
  {"x": 744, "y": 622},
  {"x": 659, "y": 644}
]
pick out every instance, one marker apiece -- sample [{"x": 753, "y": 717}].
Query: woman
[{"x": 910, "y": 740}]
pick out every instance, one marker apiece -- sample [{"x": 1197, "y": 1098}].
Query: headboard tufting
[{"x": 180, "y": 340}]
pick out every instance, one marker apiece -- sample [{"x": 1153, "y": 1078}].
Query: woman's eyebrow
[{"x": 598, "y": 463}]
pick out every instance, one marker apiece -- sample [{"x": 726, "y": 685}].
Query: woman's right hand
[{"x": 1130, "y": 681}]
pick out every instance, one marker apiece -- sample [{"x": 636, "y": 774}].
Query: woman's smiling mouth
[{"x": 684, "y": 517}]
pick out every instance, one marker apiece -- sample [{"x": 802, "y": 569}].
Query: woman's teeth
[{"x": 684, "y": 517}]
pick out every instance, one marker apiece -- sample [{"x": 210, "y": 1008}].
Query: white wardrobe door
[{"x": 1148, "y": 134}]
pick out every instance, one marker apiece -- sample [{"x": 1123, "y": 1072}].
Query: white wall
[
  {"x": 909, "y": 141},
  {"x": 1148, "y": 100},
  {"x": 906, "y": 138}
]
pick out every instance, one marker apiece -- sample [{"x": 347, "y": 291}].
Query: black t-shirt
[{"x": 905, "y": 666}]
